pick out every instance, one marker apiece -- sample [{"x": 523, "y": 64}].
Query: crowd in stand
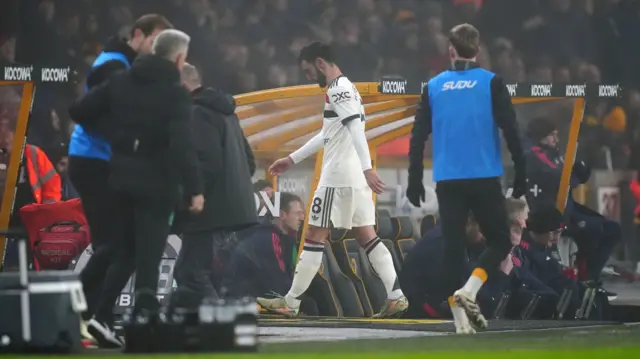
[{"x": 248, "y": 45}]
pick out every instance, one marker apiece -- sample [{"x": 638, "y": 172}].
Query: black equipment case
[{"x": 40, "y": 311}]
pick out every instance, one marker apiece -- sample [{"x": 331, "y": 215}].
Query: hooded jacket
[
  {"x": 144, "y": 113},
  {"x": 226, "y": 161},
  {"x": 116, "y": 56}
]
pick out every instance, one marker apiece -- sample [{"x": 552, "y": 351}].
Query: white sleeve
[
  {"x": 356, "y": 129},
  {"x": 348, "y": 106},
  {"x": 346, "y": 103},
  {"x": 312, "y": 146}
]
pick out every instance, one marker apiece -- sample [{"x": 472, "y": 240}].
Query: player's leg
[
  {"x": 488, "y": 206},
  {"x": 362, "y": 220},
  {"x": 454, "y": 214},
  {"x": 311, "y": 256}
]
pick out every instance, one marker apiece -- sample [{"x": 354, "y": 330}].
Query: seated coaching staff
[
  {"x": 467, "y": 162},
  {"x": 144, "y": 113},
  {"x": 227, "y": 164}
]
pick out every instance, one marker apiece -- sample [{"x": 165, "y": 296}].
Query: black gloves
[
  {"x": 519, "y": 185},
  {"x": 581, "y": 171},
  {"x": 415, "y": 192}
]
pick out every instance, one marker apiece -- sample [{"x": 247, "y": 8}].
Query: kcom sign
[{"x": 266, "y": 204}]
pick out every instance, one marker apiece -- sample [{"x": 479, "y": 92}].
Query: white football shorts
[{"x": 344, "y": 207}]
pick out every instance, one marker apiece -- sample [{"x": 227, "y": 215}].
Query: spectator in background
[
  {"x": 226, "y": 164},
  {"x": 38, "y": 181},
  {"x": 595, "y": 235},
  {"x": 263, "y": 263},
  {"x": 543, "y": 229},
  {"x": 62, "y": 164}
]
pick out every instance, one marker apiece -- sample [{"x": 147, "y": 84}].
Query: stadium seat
[
  {"x": 333, "y": 291},
  {"x": 337, "y": 234},
  {"x": 427, "y": 223},
  {"x": 385, "y": 232},
  {"x": 354, "y": 261},
  {"x": 344, "y": 262},
  {"x": 404, "y": 234}
]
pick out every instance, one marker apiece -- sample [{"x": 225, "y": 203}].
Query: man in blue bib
[
  {"x": 89, "y": 153},
  {"x": 464, "y": 107}
]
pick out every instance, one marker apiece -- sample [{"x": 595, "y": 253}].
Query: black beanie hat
[
  {"x": 539, "y": 128},
  {"x": 545, "y": 219}
]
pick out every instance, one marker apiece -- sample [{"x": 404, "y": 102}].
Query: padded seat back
[
  {"x": 404, "y": 235},
  {"x": 384, "y": 230},
  {"x": 337, "y": 234},
  {"x": 361, "y": 267},
  {"x": 427, "y": 223},
  {"x": 404, "y": 246},
  {"x": 333, "y": 291},
  {"x": 344, "y": 262}
]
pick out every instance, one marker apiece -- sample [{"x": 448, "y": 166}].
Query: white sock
[
  {"x": 382, "y": 264},
  {"x": 308, "y": 265},
  {"x": 475, "y": 282}
]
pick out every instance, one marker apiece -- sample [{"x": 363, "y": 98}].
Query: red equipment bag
[
  {"x": 57, "y": 231},
  {"x": 57, "y": 245}
]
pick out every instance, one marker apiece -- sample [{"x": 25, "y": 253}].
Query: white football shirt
[{"x": 340, "y": 163}]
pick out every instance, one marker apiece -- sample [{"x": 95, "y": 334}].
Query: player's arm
[
  {"x": 346, "y": 103},
  {"x": 422, "y": 126},
  {"x": 312, "y": 146},
  {"x": 505, "y": 118}
]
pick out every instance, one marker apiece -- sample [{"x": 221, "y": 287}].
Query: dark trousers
[
  {"x": 484, "y": 198},
  {"x": 143, "y": 224},
  {"x": 194, "y": 267},
  {"x": 596, "y": 237},
  {"x": 90, "y": 177}
]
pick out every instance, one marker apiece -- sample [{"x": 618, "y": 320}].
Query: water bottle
[{"x": 246, "y": 328}]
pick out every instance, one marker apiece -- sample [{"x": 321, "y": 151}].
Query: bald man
[{"x": 227, "y": 165}]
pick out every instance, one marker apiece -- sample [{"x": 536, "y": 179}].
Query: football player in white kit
[{"x": 344, "y": 195}]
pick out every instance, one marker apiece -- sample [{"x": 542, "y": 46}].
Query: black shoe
[{"x": 104, "y": 334}]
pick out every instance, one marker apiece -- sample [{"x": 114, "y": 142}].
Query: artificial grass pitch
[{"x": 604, "y": 342}]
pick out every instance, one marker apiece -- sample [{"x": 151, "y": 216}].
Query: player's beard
[{"x": 322, "y": 79}]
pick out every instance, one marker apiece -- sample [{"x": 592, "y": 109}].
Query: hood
[
  {"x": 116, "y": 44},
  {"x": 152, "y": 68},
  {"x": 215, "y": 100}
]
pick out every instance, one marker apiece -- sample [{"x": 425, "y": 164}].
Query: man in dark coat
[
  {"x": 227, "y": 164},
  {"x": 144, "y": 114},
  {"x": 544, "y": 227},
  {"x": 595, "y": 235}
]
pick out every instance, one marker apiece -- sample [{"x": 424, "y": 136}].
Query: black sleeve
[
  {"x": 182, "y": 147},
  {"x": 101, "y": 73},
  {"x": 422, "y": 127},
  {"x": 91, "y": 106},
  {"x": 251, "y": 159},
  {"x": 505, "y": 117},
  {"x": 207, "y": 140}
]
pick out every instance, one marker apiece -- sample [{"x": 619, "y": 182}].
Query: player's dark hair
[
  {"x": 286, "y": 198},
  {"x": 149, "y": 23},
  {"x": 261, "y": 185},
  {"x": 316, "y": 50},
  {"x": 465, "y": 38}
]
